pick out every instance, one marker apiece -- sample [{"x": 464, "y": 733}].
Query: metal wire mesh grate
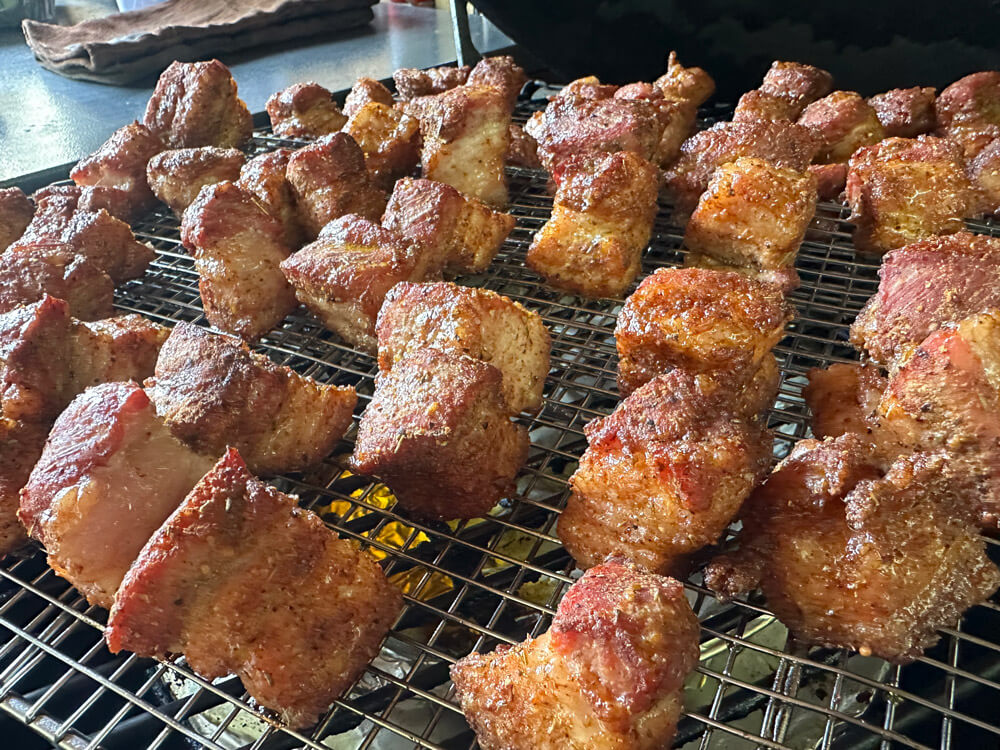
[{"x": 475, "y": 584}]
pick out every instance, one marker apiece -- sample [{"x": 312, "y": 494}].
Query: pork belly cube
[
  {"x": 700, "y": 320},
  {"x": 366, "y": 90},
  {"x": 34, "y": 372},
  {"x": 523, "y": 149},
  {"x": 798, "y": 82},
  {"x": 304, "y": 110},
  {"x": 602, "y": 219},
  {"x": 689, "y": 84},
  {"x": 475, "y": 322},
  {"x": 178, "y": 175},
  {"x": 849, "y": 558},
  {"x": 437, "y": 432},
  {"x": 344, "y": 275},
  {"x": 121, "y": 163},
  {"x": 389, "y": 138},
  {"x": 844, "y": 122},
  {"x": 843, "y": 398},
  {"x": 503, "y": 74},
  {"x": 413, "y": 82},
  {"x": 676, "y": 117},
  {"x": 55, "y": 204},
  {"x": 214, "y": 392},
  {"x": 111, "y": 350},
  {"x": 264, "y": 176},
  {"x": 784, "y": 144},
  {"x": 27, "y": 276},
  {"x": 241, "y": 580},
  {"x": 457, "y": 232},
  {"x": 984, "y": 171},
  {"x": 831, "y": 179},
  {"x": 758, "y": 105},
  {"x": 607, "y": 675},
  {"x": 753, "y": 214},
  {"x": 785, "y": 279},
  {"x": 903, "y": 190},
  {"x": 237, "y": 247},
  {"x": 329, "y": 180},
  {"x": 21, "y": 446},
  {"x": 664, "y": 474},
  {"x": 905, "y": 113},
  {"x": 571, "y": 126},
  {"x": 588, "y": 87},
  {"x": 105, "y": 450},
  {"x": 15, "y": 215},
  {"x": 924, "y": 286},
  {"x": 968, "y": 111},
  {"x": 196, "y": 104},
  {"x": 465, "y": 135}
]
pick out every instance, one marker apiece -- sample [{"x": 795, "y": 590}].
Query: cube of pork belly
[
  {"x": 121, "y": 163},
  {"x": 759, "y": 105},
  {"x": 196, "y": 104},
  {"x": 413, "y": 82},
  {"x": 905, "y": 113},
  {"x": 689, "y": 84},
  {"x": 55, "y": 204},
  {"x": 476, "y": 322},
  {"x": 588, "y": 87},
  {"x": 607, "y": 675},
  {"x": 264, "y": 176},
  {"x": 699, "y": 320},
  {"x": 664, "y": 474},
  {"x": 984, "y": 171},
  {"x": 237, "y": 247},
  {"x": 437, "y": 432},
  {"x": 465, "y": 135},
  {"x": 389, "y": 138},
  {"x": 523, "y": 149},
  {"x": 178, "y": 175},
  {"x": 457, "y": 232},
  {"x": 903, "y": 190},
  {"x": 344, "y": 275},
  {"x": 503, "y": 74},
  {"x": 753, "y": 214},
  {"x": 27, "y": 276},
  {"x": 845, "y": 122},
  {"x": 968, "y": 111},
  {"x": 241, "y": 580},
  {"x": 329, "y": 180},
  {"x": 106, "y": 450},
  {"x": 115, "y": 349},
  {"x": 784, "y": 144},
  {"x": 843, "y": 398},
  {"x": 571, "y": 126},
  {"x": 21, "y": 446},
  {"x": 366, "y": 90},
  {"x": 602, "y": 219},
  {"x": 676, "y": 118},
  {"x": 922, "y": 287},
  {"x": 797, "y": 82},
  {"x": 214, "y": 392},
  {"x": 831, "y": 179},
  {"x": 304, "y": 110},
  {"x": 785, "y": 279},
  {"x": 15, "y": 215}
]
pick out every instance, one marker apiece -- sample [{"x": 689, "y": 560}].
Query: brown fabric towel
[{"x": 124, "y": 47}]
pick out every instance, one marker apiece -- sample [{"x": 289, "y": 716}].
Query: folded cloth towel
[{"x": 124, "y": 47}]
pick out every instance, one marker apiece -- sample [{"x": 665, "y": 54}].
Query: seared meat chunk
[
  {"x": 15, "y": 215},
  {"x": 304, "y": 110},
  {"x": 195, "y": 104},
  {"x": 475, "y": 322},
  {"x": 797, "y": 82},
  {"x": 757, "y": 105},
  {"x": 588, "y": 87},
  {"x": 676, "y": 119},
  {"x": 456, "y": 232},
  {"x": 237, "y": 246},
  {"x": 523, "y": 149},
  {"x": 437, "y": 432},
  {"x": 178, "y": 175},
  {"x": 389, "y": 138},
  {"x": 366, "y": 90},
  {"x": 28, "y": 276},
  {"x": 905, "y": 113},
  {"x": 55, "y": 204},
  {"x": 21, "y": 446},
  {"x": 503, "y": 74},
  {"x": 212, "y": 391},
  {"x": 843, "y": 398},
  {"x": 329, "y": 180},
  {"x": 114, "y": 349},
  {"x": 106, "y": 450},
  {"x": 851, "y": 558},
  {"x": 785, "y": 279},
  {"x": 602, "y": 219},
  {"x": 120, "y": 163},
  {"x": 413, "y": 82},
  {"x": 264, "y": 176},
  {"x": 606, "y": 676},
  {"x": 845, "y": 122},
  {"x": 923, "y": 286},
  {"x": 344, "y": 275},
  {"x": 831, "y": 179},
  {"x": 664, "y": 474},
  {"x": 688, "y": 84},
  {"x": 902, "y": 190},
  {"x": 968, "y": 112},
  {"x": 984, "y": 171}
]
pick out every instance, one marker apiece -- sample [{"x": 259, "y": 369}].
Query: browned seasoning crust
[
  {"x": 843, "y": 398},
  {"x": 26, "y": 277},
  {"x": 968, "y": 112},
  {"x": 363, "y": 91},
  {"x": 304, "y": 110},
  {"x": 844, "y": 122},
  {"x": 503, "y": 74},
  {"x": 178, "y": 175},
  {"x": 21, "y": 446},
  {"x": 56, "y": 203},
  {"x": 523, "y": 149},
  {"x": 264, "y": 176},
  {"x": 797, "y": 82},
  {"x": 120, "y": 163},
  {"x": 15, "y": 215},
  {"x": 984, "y": 171},
  {"x": 389, "y": 138},
  {"x": 413, "y": 82},
  {"x": 905, "y": 113},
  {"x": 688, "y": 84}
]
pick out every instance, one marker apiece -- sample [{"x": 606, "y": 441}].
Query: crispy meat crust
[
  {"x": 688, "y": 84},
  {"x": 984, "y": 171},
  {"x": 15, "y": 215},
  {"x": 523, "y": 149},
  {"x": 21, "y": 446},
  {"x": 121, "y": 163},
  {"x": 844, "y": 122},
  {"x": 503, "y": 74},
  {"x": 389, "y": 138},
  {"x": 413, "y": 82},
  {"x": 237, "y": 247},
  {"x": 843, "y": 398},
  {"x": 56, "y": 203},
  {"x": 905, "y": 113},
  {"x": 239, "y": 579},
  {"x": 968, "y": 111},
  {"x": 475, "y": 322},
  {"x": 437, "y": 432},
  {"x": 178, "y": 175},
  {"x": 797, "y": 82},
  {"x": 606, "y": 676},
  {"x": 676, "y": 119},
  {"x": 366, "y": 90},
  {"x": 264, "y": 176},
  {"x": 212, "y": 391},
  {"x": 785, "y": 279},
  {"x": 34, "y": 373},
  {"x": 757, "y": 105},
  {"x": 195, "y": 104},
  {"x": 849, "y": 558},
  {"x": 664, "y": 474},
  {"x": 831, "y": 179},
  {"x": 602, "y": 219},
  {"x": 26, "y": 277},
  {"x": 304, "y": 110}
]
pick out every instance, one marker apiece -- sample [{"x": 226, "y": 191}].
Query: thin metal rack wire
[{"x": 472, "y": 585}]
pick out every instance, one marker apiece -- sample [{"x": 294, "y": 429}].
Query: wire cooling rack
[{"x": 472, "y": 585}]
